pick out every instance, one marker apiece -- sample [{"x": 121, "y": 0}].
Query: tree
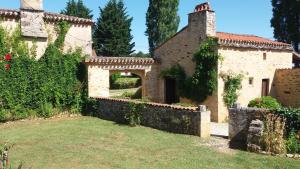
[
  {"x": 78, "y": 9},
  {"x": 286, "y": 21},
  {"x": 112, "y": 35},
  {"x": 140, "y": 54},
  {"x": 162, "y": 21}
]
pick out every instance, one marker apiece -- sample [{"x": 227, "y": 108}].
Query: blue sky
[{"x": 234, "y": 16}]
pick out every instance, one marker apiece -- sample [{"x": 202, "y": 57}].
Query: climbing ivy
[
  {"x": 232, "y": 84},
  {"x": 27, "y": 84},
  {"x": 205, "y": 79}
]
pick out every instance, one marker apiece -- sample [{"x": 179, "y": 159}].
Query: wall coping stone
[{"x": 195, "y": 109}]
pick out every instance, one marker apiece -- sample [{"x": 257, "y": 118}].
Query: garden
[
  {"x": 281, "y": 127},
  {"x": 87, "y": 142},
  {"x": 38, "y": 89}
]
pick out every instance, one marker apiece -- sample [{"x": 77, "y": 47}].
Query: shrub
[
  {"x": 133, "y": 116},
  {"x": 137, "y": 94},
  {"x": 292, "y": 118},
  {"x": 27, "y": 83},
  {"x": 46, "y": 110},
  {"x": 265, "y": 102},
  {"x": 273, "y": 135},
  {"x": 293, "y": 143},
  {"x": 126, "y": 83}
]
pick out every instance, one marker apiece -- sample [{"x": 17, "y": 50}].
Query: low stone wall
[
  {"x": 239, "y": 123},
  {"x": 177, "y": 119}
]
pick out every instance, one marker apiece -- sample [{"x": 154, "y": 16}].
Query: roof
[
  {"x": 120, "y": 60},
  {"x": 296, "y": 55},
  {"x": 48, "y": 16},
  {"x": 250, "y": 41}
]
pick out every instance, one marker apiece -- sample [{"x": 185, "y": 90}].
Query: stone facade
[
  {"x": 254, "y": 57},
  {"x": 192, "y": 121},
  {"x": 252, "y": 65},
  {"x": 287, "y": 84},
  {"x": 42, "y": 31}
]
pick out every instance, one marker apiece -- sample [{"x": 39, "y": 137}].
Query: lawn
[{"x": 85, "y": 142}]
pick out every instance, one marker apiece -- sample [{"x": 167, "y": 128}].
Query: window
[
  {"x": 265, "y": 56},
  {"x": 251, "y": 79}
]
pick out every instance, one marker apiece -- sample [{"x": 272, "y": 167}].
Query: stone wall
[
  {"x": 78, "y": 36},
  {"x": 287, "y": 85},
  {"x": 240, "y": 119},
  {"x": 175, "y": 119}
]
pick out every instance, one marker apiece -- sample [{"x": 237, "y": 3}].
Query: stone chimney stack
[
  {"x": 32, "y": 19},
  {"x": 36, "y": 5},
  {"x": 202, "y": 21}
]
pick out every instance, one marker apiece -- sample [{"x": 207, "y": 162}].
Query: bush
[
  {"x": 292, "y": 118},
  {"x": 137, "y": 94},
  {"x": 293, "y": 144},
  {"x": 126, "y": 83},
  {"x": 273, "y": 135},
  {"x": 26, "y": 83},
  {"x": 46, "y": 110},
  {"x": 133, "y": 116},
  {"x": 265, "y": 102}
]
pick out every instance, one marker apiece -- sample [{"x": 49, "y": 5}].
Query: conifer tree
[
  {"x": 112, "y": 34},
  {"x": 286, "y": 21},
  {"x": 78, "y": 9},
  {"x": 162, "y": 21}
]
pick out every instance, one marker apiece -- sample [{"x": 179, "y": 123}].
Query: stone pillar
[
  {"x": 32, "y": 19},
  {"x": 32, "y": 4},
  {"x": 98, "y": 81},
  {"x": 205, "y": 129},
  {"x": 254, "y": 137}
]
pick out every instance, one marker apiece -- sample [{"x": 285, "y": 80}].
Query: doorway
[
  {"x": 171, "y": 91},
  {"x": 265, "y": 87}
]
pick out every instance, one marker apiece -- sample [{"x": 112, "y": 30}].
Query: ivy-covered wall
[
  {"x": 30, "y": 87},
  {"x": 78, "y": 36}
]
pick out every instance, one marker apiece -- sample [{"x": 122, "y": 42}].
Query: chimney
[
  {"x": 36, "y": 5},
  {"x": 202, "y": 21},
  {"x": 32, "y": 19}
]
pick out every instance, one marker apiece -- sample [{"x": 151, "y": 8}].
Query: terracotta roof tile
[
  {"x": 120, "y": 60},
  {"x": 251, "y": 41},
  {"x": 48, "y": 16}
]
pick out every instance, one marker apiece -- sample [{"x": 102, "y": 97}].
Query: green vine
[
  {"x": 232, "y": 84},
  {"x": 205, "y": 79},
  {"x": 133, "y": 116},
  {"x": 27, "y": 84}
]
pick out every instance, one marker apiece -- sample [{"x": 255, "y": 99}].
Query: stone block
[{"x": 32, "y": 4}]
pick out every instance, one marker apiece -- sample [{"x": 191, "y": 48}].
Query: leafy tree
[
  {"x": 140, "y": 54},
  {"x": 286, "y": 21},
  {"x": 162, "y": 21},
  {"x": 78, "y": 9},
  {"x": 112, "y": 35}
]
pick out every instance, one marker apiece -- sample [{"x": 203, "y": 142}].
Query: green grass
[
  {"x": 84, "y": 142},
  {"x": 120, "y": 92},
  {"x": 125, "y": 83}
]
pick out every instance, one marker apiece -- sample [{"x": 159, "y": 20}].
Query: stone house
[
  {"x": 256, "y": 58},
  {"x": 38, "y": 26}
]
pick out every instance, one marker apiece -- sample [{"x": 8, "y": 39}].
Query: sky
[{"x": 233, "y": 16}]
